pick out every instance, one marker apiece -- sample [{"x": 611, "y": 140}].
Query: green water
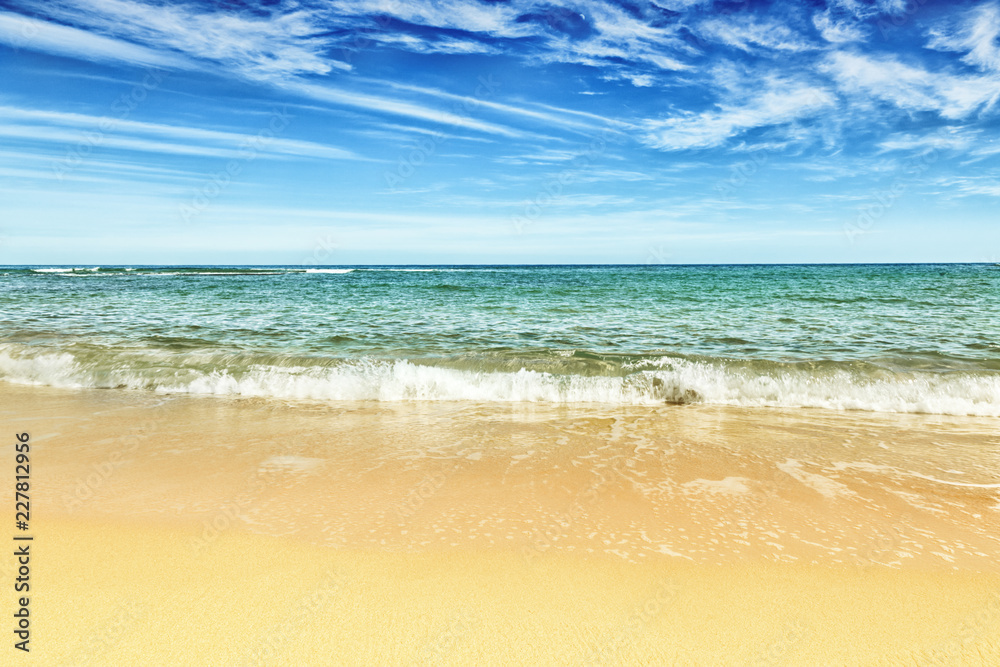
[{"x": 908, "y": 338}]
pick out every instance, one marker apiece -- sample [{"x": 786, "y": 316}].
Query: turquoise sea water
[{"x": 901, "y": 338}]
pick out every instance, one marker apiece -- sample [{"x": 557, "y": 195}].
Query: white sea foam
[
  {"x": 57, "y": 369},
  {"x": 825, "y": 486},
  {"x": 329, "y": 270},
  {"x": 433, "y": 270},
  {"x": 932, "y": 393},
  {"x": 680, "y": 381}
]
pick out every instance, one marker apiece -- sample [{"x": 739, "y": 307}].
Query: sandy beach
[
  {"x": 237, "y": 531},
  {"x": 500, "y": 332}
]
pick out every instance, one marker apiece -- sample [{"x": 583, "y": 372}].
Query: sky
[{"x": 510, "y": 131}]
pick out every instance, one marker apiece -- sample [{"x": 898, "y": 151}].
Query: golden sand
[
  {"x": 115, "y": 593},
  {"x": 209, "y": 531}
]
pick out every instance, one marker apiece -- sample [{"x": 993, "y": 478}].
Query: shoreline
[{"x": 680, "y": 534}]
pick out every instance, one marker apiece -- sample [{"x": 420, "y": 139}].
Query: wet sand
[{"x": 217, "y": 531}]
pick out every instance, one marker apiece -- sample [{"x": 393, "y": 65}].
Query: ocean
[{"x": 882, "y": 338}]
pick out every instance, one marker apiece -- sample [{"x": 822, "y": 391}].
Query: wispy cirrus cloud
[
  {"x": 263, "y": 47},
  {"x": 23, "y": 32},
  {"x": 910, "y": 87},
  {"x": 781, "y": 102},
  {"x": 598, "y": 34},
  {"x": 749, "y": 33},
  {"x": 285, "y": 49},
  {"x": 392, "y": 106},
  {"x": 839, "y": 31},
  {"x": 985, "y": 185},
  {"x": 68, "y": 129},
  {"x": 951, "y": 140},
  {"x": 553, "y": 116},
  {"x": 976, "y": 33}
]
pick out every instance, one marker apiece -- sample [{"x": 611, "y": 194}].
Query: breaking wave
[{"x": 831, "y": 385}]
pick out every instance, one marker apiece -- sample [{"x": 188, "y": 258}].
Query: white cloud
[
  {"x": 987, "y": 185},
  {"x": 447, "y": 45},
  {"x": 70, "y": 138},
  {"x": 611, "y": 32},
  {"x": 748, "y": 33},
  {"x": 256, "y": 47},
  {"x": 949, "y": 139},
  {"x": 989, "y": 190},
  {"x": 556, "y": 119},
  {"x": 69, "y": 128},
  {"x": 864, "y": 9},
  {"x": 28, "y": 33},
  {"x": 780, "y": 102},
  {"x": 976, "y": 34},
  {"x": 496, "y": 19},
  {"x": 912, "y": 88},
  {"x": 636, "y": 79},
  {"x": 838, "y": 32},
  {"x": 395, "y": 107},
  {"x": 278, "y": 49}
]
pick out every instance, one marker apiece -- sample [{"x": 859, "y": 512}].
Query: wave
[
  {"x": 136, "y": 271},
  {"x": 180, "y": 271},
  {"x": 227, "y": 273},
  {"x": 237, "y": 271},
  {"x": 833, "y": 385}
]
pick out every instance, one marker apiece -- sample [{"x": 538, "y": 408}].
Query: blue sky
[{"x": 354, "y": 132}]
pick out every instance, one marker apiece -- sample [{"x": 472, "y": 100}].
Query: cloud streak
[
  {"x": 24, "y": 32},
  {"x": 72, "y": 129},
  {"x": 782, "y": 102},
  {"x": 272, "y": 47}
]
